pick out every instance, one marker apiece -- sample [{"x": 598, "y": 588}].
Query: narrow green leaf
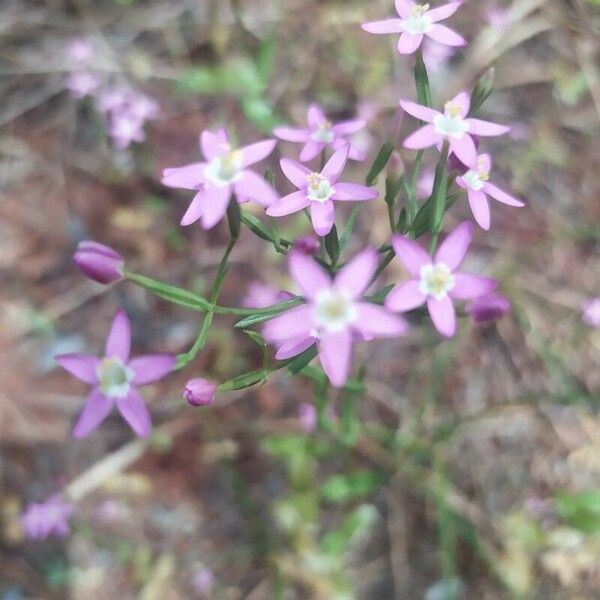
[
  {"x": 422, "y": 80},
  {"x": 257, "y": 227},
  {"x": 234, "y": 217},
  {"x": 332, "y": 245},
  {"x": 302, "y": 360},
  {"x": 379, "y": 163},
  {"x": 255, "y": 337},
  {"x": 483, "y": 89},
  {"x": 171, "y": 293},
  {"x": 244, "y": 381},
  {"x": 264, "y": 315}
]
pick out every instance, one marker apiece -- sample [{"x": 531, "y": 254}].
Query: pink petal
[
  {"x": 355, "y": 152},
  {"x": 383, "y": 27},
  {"x": 288, "y": 204},
  {"x": 348, "y": 127},
  {"x": 134, "y": 411},
  {"x": 486, "y": 128},
  {"x": 96, "y": 409},
  {"x": 212, "y": 144},
  {"x": 356, "y": 276},
  {"x": 293, "y": 324},
  {"x": 82, "y": 366},
  {"x": 463, "y": 99},
  {"x": 465, "y": 149},
  {"x": 316, "y": 115},
  {"x": 443, "y": 12},
  {"x": 353, "y": 192},
  {"x": 376, "y": 321},
  {"x": 254, "y": 187},
  {"x": 413, "y": 257},
  {"x": 423, "y": 138},
  {"x": 485, "y": 160},
  {"x": 256, "y": 152},
  {"x": 311, "y": 150},
  {"x": 119, "y": 339},
  {"x": 405, "y": 296},
  {"x": 453, "y": 249},
  {"x": 188, "y": 177},
  {"x": 294, "y": 347},
  {"x": 151, "y": 368},
  {"x": 442, "y": 314},
  {"x": 335, "y": 165},
  {"x": 195, "y": 209},
  {"x": 469, "y": 287},
  {"x": 217, "y": 200},
  {"x": 308, "y": 275},
  {"x": 408, "y": 43},
  {"x": 295, "y": 172},
  {"x": 291, "y": 134},
  {"x": 445, "y": 35},
  {"x": 420, "y": 112},
  {"x": 404, "y": 7},
  {"x": 322, "y": 216},
  {"x": 335, "y": 352},
  {"x": 501, "y": 196},
  {"x": 480, "y": 208}
]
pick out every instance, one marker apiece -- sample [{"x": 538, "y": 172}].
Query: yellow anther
[{"x": 419, "y": 9}]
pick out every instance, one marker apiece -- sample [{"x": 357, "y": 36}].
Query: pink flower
[
  {"x": 79, "y": 51},
  {"x": 261, "y": 295},
  {"x": 199, "y": 392},
  {"x": 591, "y": 312},
  {"x": 203, "y": 582},
  {"x": 416, "y": 21},
  {"x": 489, "y": 308},
  {"x": 435, "y": 281},
  {"x": 307, "y": 245},
  {"x": 99, "y": 262},
  {"x": 475, "y": 181},
  {"x": 318, "y": 191},
  {"x": 307, "y": 414},
  {"x": 224, "y": 173},
  {"x": 81, "y": 84},
  {"x": 41, "y": 520},
  {"x": 333, "y": 315},
  {"x": 437, "y": 56},
  {"x": 452, "y": 125},
  {"x": 124, "y": 129},
  {"x": 115, "y": 379},
  {"x": 321, "y": 134}
]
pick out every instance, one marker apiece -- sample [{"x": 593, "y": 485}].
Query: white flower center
[
  {"x": 334, "y": 310},
  {"x": 418, "y": 22},
  {"x": 114, "y": 377},
  {"x": 475, "y": 180},
  {"x": 323, "y": 134},
  {"x": 451, "y": 123},
  {"x": 436, "y": 280},
  {"x": 225, "y": 169},
  {"x": 319, "y": 188}
]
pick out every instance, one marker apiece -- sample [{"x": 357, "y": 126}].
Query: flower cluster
[{"x": 126, "y": 110}]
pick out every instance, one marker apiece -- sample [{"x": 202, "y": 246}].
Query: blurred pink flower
[
  {"x": 476, "y": 182},
  {"x": 115, "y": 379},
  {"x": 489, "y": 308},
  {"x": 199, "y": 392},
  {"x": 41, "y": 520},
  {"x": 307, "y": 414},
  {"x": 334, "y": 312},
  {"x": 261, "y": 295},
  {"x": 591, "y": 312},
  {"x": 436, "y": 56},
  {"x": 82, "y": 83},
  {"x": 318, "y": 191},
  {"x": 497, "y": 16},
  {"x": 203, "y": 582},
  {"x": 307, "y": 245},
  {"x": 417, "y": 21},
  {"x": 224, "y": 173},
  {"x": 425, "y": 183},
  {"x": 79, "y": 51},
  {"x": 99, "y": 262},
  {"x": 435, "y": 281},
  {"x": 321, "y": 134},
  {"x": 452, "y": 125}
]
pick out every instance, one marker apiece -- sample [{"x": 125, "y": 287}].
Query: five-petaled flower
[
  {"x": 322, "y": 133},
  {"x": 476, "y": 182},
  {"x": 335, "y": 314},
  {"x": 435, "y": 280},
  {"x": 416, "y": 21},
  {"x": 318, "y": 191},
  {"x": 452, "y": 125},
  {"x": 43, "y": 519},
  {"x": 115, "y": 379},
  {"x": 224, "y": 173}
]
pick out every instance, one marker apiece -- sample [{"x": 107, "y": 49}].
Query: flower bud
[
  {"x": 99, "y": 262},
  {"x": 489, "y": 308},
  {"x": 199, "y": 392},
  {"x": 307, "y": 245}
]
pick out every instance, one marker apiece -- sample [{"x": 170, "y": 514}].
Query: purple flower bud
[
  {"x": 99, "y": 262},
  {"x": 307, "y": 245},
  {"x": 489, "y": 308},
  {"x": 199, "y": 392}
]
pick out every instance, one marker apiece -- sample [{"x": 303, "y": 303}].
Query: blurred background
[{"x": 475, "y": 471}]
